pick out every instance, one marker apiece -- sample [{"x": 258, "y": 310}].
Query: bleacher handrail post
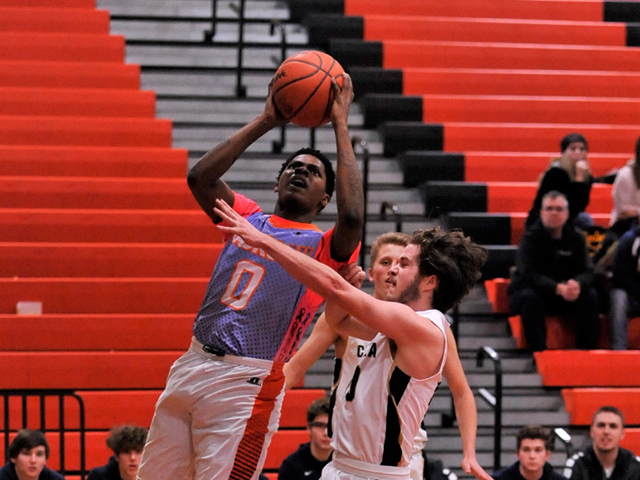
[
  {"x": 209, "y": 34},
  {"x": 491, "y": 354}
]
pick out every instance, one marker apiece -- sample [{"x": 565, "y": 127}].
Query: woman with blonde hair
[{"x": 570, "y": 175}]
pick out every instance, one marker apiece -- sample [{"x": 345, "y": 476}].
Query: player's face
[
  {"x": 404, "y": 277},
  {"x": 606, "y": 432},
  {"x": 532, "y": 455},
  {"x": 128, "y": 463},
  {"x": 319, "y": 434},
  {"x": 304, "y": 179},
  {"x": 29, "y": 463},
  {"x": 387, "y": 255},
  {"x": 576, "y": 151}
]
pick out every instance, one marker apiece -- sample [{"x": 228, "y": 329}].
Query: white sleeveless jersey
[{"x": 377, "y": 409}]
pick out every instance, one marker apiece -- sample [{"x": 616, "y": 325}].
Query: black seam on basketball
[{"x": 296, "y": 80}]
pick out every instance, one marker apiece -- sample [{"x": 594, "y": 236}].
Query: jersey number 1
[{"x": 239, "y": 300}]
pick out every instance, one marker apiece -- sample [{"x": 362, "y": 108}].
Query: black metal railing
[
  {"x": 19, "y": 400},
  {"x": 495, "y": 400},
  {"x": 562, "y": 435}
]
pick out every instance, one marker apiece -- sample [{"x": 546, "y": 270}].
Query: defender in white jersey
[
  {"x": 385, "y": 250},
  {"x": 435, "y": 271}
]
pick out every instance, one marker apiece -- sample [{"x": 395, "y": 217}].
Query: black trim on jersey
[
  {"x": 337, "y": 369},
  {"x": 392, "y": 452}
]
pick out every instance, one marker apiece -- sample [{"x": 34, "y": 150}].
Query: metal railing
[
  {"x": 562, "y": 435},
  {"x": 495, "y": 401},
  {"x": 16, "y": 403}
]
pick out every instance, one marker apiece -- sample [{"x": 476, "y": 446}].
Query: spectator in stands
[
  {"x": 533, "y": 449},
  {"x": 626, "y": 195},
  {"x": 28, "y": 455},
  {"x": 570, "y": 175},
  {"x": 307, "y": 462},
  {"x": 553, "y": 275},
  {"x": 625, "y": 294},
  {"x": 604, "y": 459},
  {"x": 127, "y": 442}
]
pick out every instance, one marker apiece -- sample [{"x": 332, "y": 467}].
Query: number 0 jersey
[
  {"x": 253, "y": 307},
  {"x": 377, "y": 409}
]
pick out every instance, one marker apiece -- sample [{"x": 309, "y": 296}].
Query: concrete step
[
  {"x": 203, "y": 138},
  {"x": 194, "y": 31},
  {"x": 205, "y": 83},
  {"x": 256, "y": 9}
]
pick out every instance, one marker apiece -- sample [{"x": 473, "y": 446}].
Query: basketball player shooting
[
  {"x": 222, "y": 402},
  {"x": 383, "y": 392}
]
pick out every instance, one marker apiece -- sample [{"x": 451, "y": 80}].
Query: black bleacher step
[
  {"x": 375, "y": 80},
  {"x": 355, "y": 53},
  {"x": 323, "y": 26},
  {"x": 500, "y": 259},
  {"x": 484, "y": 228},
  {"x": 299, "y": 9},
  {"x": 419, "y": 166},
  {"x": 400, "y": 137},
  {"x": 622, "y": 11},
  {"x": 384, "y": 107},
  {"x": 633, "y": 35},
  {"x": 444, "y": 197}
]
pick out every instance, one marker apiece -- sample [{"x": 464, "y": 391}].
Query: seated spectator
[
  {"x": 28, "y": 455},
  {"x": 625, "y": 294},
  {"x": 553, "y": 275},
  {"x": 626, "y": 195},
  {"x": 570, "y": 175},
  {"x": 127, "y": 443},
  {"x": 533, "y": 449},
  {"x": 604, "y": 459},
  {"x": 307, "y": 462}
]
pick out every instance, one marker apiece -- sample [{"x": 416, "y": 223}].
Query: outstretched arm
[
  {"x": 204, "y": 178},
  {"x": 417, "y": 339},
  {"x": 349, "y": 194},
  {"x": 465, "y": 405}
]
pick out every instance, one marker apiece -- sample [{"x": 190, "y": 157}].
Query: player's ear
[
  {"x": 370, "y": 274},
  {"x": 430, "y": 282},
  {"x": 324, "y": 201},
  {"x": 275, "y": 189}
]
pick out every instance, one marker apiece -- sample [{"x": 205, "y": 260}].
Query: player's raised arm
[
  {"x": 349, "y": 194},
  {"x": 415, "y": 338},
  {"x": 204, "y": 177}
]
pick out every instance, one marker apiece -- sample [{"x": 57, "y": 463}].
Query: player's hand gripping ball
[{"x": 302, "y": 87}]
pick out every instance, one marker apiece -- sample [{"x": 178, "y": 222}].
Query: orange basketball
[{"x": 302, "y": 87}]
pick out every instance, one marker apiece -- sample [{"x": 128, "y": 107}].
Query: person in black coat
[
  {"x": 28, "y": 455},
  {"x": 533, "y": 448},
  {"x": 554, "y": 276},
  {"x": 127, "y": 442}
]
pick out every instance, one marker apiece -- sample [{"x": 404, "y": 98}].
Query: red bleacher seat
[
  {"x": 497, "y": 294},
  {"x": 595, "y": 368},
  {"x": 582, "y": 403}
]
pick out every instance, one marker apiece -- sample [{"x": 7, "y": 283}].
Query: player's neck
[{"x": 294, "y": 214}]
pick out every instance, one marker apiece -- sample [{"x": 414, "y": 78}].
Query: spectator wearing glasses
[
  {"x": 307, "y": 462},
  {"x": 553, "y": 276}
]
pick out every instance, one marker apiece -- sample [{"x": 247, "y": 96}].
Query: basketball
[{"x": 302, "y": 87}]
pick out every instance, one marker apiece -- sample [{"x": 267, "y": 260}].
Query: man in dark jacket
[
  {"x": 553, "y": 275},
  {"x": 604, "y": 459},
  {"x": 28, "y": 455},
  {"x": 127, "y": 442},
  {"x": 307, "y": 462},
  {"x": 533, "y": 448}
]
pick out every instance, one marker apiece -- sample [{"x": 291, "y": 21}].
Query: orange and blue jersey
[{"x": 253, "y": 307}]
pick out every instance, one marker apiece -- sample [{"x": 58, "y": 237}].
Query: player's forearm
[
  {"x": 349, "y": 193},
  {"x": 220, "y": 158},
  {"x": 467, "y": 416}
]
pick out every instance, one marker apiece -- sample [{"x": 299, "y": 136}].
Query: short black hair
[
  {"x": 319, "y": 406},
  {"x": 127, "y": 438},
  {"x": 572, "y": 138},
  {"x": 28, "y": 439},
  {"x": 328, "y": 168},
  {"x": 533, "y": 432},
  {"x": 608, "y": 409}
]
